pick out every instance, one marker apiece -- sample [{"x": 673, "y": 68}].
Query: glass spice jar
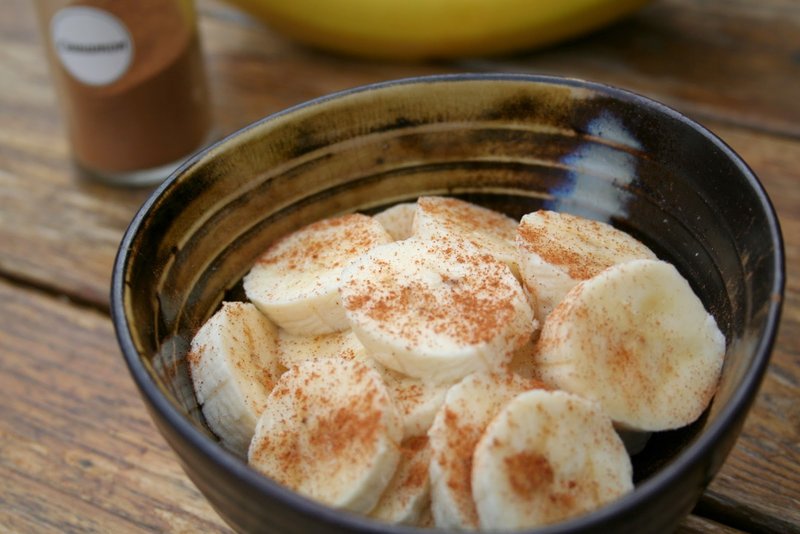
[{"x": 131, "y": 84}]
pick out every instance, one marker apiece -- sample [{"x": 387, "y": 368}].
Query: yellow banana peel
[{"x": 422, "y": 29}]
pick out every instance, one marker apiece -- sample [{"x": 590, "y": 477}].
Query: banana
[
  {"x": 330, "y": 432},
  {"x": 407, "y": 497},
  {"x": 416, "y": 400},
  {"x": 296, "y": 281},
  {"x": 398, "y": 220},
  {"x": 439, "y": 218},
  {"x": 426, "y": 518},
  {"x": 558, "y": 250},
  {"x": 435, "y": 311},
  {"x": 468, "y": 408},
  {"x": 421, "y": 29},
  {"x": 547, "y": 456},
  {"x": 523, "y": 362},
  {"x": 293, "y": 349},
  {"x": 233, "y": 364},
  {"x": 637, "y": 340}
]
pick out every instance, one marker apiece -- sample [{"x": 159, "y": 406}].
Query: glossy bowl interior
[{"x": 512, "y": 143}]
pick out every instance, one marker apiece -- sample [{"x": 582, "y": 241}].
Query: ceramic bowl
[
  {"x": 510, "y": 142},
  {"x": 433, "y": 30}
]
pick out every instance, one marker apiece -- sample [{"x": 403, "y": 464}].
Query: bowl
[
  {"x": 513, "y": 143},
  {"x": 419, "y": 29}
]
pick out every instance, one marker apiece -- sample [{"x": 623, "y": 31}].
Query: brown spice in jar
[{"x": 157, "y": 112}]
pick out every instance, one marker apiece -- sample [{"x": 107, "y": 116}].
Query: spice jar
[{"x": 131, "y": 83}]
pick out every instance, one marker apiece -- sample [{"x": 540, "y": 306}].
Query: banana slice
[
  {"x": 426, "y": 519},
  {"x": 558, "y": 250},
  {"x": 523, "y": 362},
  {"x": 435, "y": 311},
  {"x": 416, "y": 400},
  {"x": 296, "y": 281},
  {"x": 408, "y": 495},
  {"x": 331, "y": 433},
  {"x": 547, "y": 456},
  {"x": 234, "y": 365},
  {"x": 491, "y": 232},
  {"x": 637, "y": 340},
  {"x": 468, "y": 408},
  {"x": 293, "y": 349},
  {"x": 398, "y": 220}
]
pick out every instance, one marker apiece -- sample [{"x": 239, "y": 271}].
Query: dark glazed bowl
[{"x": 512, "y": 143}]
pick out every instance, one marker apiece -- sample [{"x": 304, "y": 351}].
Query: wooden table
[{"x": 77, "y": 449}]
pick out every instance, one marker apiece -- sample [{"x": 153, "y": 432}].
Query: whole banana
[{"x": 421, "y": 29}]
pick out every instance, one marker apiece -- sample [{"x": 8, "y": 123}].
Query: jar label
[{"x": 93, "y": 45}]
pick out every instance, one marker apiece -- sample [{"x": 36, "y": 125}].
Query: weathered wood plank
[
  {"x": 725, "y": 60},
  {"x": 694, "y": 524},
  {"x": 728, "y": 60},
  {"x": 77, "y": 449},
  {"x": 61, "y": 233}
]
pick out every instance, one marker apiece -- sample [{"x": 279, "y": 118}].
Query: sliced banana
[
  {"x": 523, "y": 362},
  {"x": 435, "y": 311},
  {"x": 468, "y": 408},
  {"x": 234, "y": 364},
  {"x": 637, "y": 340},
  {"x": 398, "y": 220},
  {"x": 492, "y": 232},
  {"x": 296, "y": 281},
  {"x": 547, "y": 456},
  {"x": 331, "y": 433},
  {"x": 558, "y": 250},
  {"x": 416, "y": 400},
  {"x": 293, "y": 349},
  {"x": 426, "y": 518},
  {"x": 408, "y": 495}
]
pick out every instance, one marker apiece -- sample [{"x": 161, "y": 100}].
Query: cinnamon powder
[{"x": 154, "y": 114}]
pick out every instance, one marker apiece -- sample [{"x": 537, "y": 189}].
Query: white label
[{"x": 93, "y": 45}]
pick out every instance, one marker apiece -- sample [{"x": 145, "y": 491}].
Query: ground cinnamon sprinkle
[
  {"x": 472, "y": 305},
  {"x": 529, "y": 474},
  {"x": 579, "y": 266},
  {"x": 582, "y": 247},
  {"x": 351, "y": 427},
  {"x": 462, "y": 441},
  {"x": 455, "y": 291},
  {"x": 314, "y": 420},
  {"x": 193, "y": 357},
  {"x": 418, "y": 473},
  {"x": 453, "y": 212},
  {"x": 319, "y": 241}
]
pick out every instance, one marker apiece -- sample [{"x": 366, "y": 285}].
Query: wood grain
[
  {"x": 728, "y": 60},
  {"x": 699, "y": 525},
  {"x": 734, "y": 61},
  {"x": 77, "y": 449}
]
